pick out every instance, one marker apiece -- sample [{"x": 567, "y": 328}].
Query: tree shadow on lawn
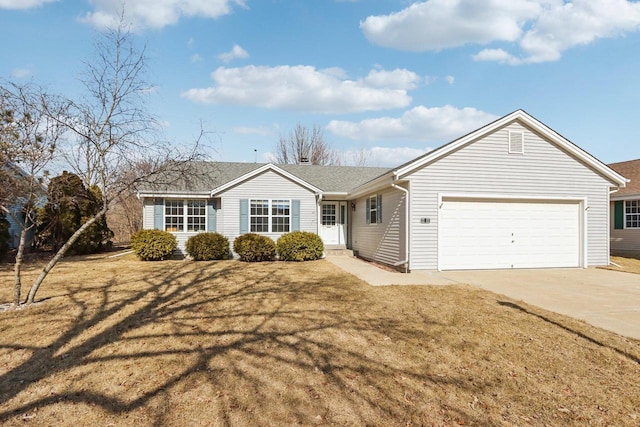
[
  {"x": 580, "y": 334},
  {"x": 224, "y": 343}
]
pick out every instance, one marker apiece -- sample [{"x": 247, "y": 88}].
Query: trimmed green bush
[
  {"x": 253, "y": 247},
  {"x": 300, "y": 246},
  {"x": 4, "y": 235},
  {"x": 153, "y": 245},
  {"x": 208, "y": 246}
]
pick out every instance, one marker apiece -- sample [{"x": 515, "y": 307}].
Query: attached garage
[{"x": 494, "y": 233}]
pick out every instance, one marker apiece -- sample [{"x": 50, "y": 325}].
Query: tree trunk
[
  {"x": 36, "y": 284},
  {"x": 17, "y": 287}
]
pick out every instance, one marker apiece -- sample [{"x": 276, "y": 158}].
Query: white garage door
[{"x": 487, "y": 234}]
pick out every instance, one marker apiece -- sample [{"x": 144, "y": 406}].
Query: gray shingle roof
[{"x": 202, "y": 177}]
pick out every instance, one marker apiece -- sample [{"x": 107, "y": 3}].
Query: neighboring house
[
  {"x": 512, "y": 194},
  {"x": 625, "y": 211},
  {"x": 17, "y": 204}
]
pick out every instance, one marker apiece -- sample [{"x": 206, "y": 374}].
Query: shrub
[
  {"x": 300, "y": 246},
  {"x": 208, "y": 246},
  {"x": 253, "y": 247},
  {"x": 153, "y": 245}
]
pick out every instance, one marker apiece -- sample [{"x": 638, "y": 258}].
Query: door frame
[{"x": 342, "y": 221}]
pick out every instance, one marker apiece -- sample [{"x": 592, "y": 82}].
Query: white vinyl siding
[
  {"x": 266, "y": 186},
  {"x": 485, "y": 166},
  {"x": 383, "y": 242}
]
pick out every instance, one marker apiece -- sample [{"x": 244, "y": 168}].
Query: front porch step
[{"x": 338, "y": 252}]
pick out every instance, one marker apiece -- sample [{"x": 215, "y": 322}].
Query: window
[
  {"x": 259, "y": 216},
  {"x": 196, "y": 215},
  {"x": 374, "y": 209},
  {"x": 270, "y": 216},
  {"x": 632, "y": 214},
  {"x": 280, "y": 216},
  {"x": 177, "y": 213},
  {"x": 329, "y": 214},
  {"x": 174, "y": 215}
]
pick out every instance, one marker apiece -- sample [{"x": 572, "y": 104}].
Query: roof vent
[
  {"x": 516, "y": 142},
  {"x": 304, "y": 161}
]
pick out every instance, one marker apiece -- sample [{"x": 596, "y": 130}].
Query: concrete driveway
[{"x": 603, "y": 298}]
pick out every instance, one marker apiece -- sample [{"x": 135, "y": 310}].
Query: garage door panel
[{"x": 508, "y": 234}]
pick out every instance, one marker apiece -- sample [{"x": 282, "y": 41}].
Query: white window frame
[
  {"x": 373, "y": 212},
  {"x": 632, "y": 214},
  {"x": 183, "y": 206},
  {"x": 272, "y": 215}
]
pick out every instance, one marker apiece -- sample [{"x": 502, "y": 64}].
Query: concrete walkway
[{"x": 603, "y": 298}]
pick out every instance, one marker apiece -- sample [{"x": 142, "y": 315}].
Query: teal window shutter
[
  {"x": 211, "y": 215},
  {"x": 379, "y": 209},
  {"x": 244, "y": 216},
  {"x": 158, "y": 214},
  {"x": 295, "y": 215},
  {"x": 367, "y": 210},
  {"x": 618, "y": 214}
]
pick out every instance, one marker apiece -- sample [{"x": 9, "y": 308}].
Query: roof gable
[
  {"x": 260, "y": 170},
  {"x": 527, "y": 120}
]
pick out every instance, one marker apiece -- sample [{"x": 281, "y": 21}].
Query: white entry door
[{"x": 333, "y": 223}]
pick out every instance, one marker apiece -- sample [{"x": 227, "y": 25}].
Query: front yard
[{"x": 123, "y": 342}]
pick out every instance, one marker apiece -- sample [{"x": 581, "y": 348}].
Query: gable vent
[{"x": 516, "y": 142}]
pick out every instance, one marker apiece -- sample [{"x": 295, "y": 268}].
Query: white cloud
[
  {"x": 22, "y": 4},
  {"x": 543, "y": 29},
  {"x": 237, "y": 52},
  {"x": 439, "y": 24},
  {"x": 304, "y": 88},
  {"x": 450, "y": 79},
  {"x": 21, "y": 73},
  {"x": 438, "y": 124},
  {"x": 381, "y": 156},
  {"x": 195, "y": 58},
  {"x": 395, "y": 79},
  {"x": 261, "y": 130},
  {"x": 155, "y": 14}
]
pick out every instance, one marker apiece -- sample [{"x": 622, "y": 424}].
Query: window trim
[
  {"x": 185, "y": 215},
  {"x": 270, "y": 215},
  {"x": 627, "y": 215}
]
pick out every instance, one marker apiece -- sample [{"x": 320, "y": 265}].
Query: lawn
[
  {"x": 630, "y": 265},
  {"x": 123, "y": 342}
]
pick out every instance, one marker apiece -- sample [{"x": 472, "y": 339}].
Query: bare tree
[
  {"x": 113, "y": 129},
  {"x": 304, "y": 145},
  {"x": 29, "y": 140}
]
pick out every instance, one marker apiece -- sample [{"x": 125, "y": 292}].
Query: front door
[{"x": 333, "y": 223}]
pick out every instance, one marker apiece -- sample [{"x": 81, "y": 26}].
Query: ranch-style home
[
  {"x": 512, "y": 194},
  {"x": 625, "y": 211}
]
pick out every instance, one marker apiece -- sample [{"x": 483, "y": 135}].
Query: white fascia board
[
  {"x": 532, "y": 123},
  {"x": 372, "y": 186},
  {"x": 174, "y": 195},
  {"x": 632, "y": 196},
  {"x": 335, "y": 195},
  {"x": 507, "y": 197},
  {"x": 255, "y": 172}
]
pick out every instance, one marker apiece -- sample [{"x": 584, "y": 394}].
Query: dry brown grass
[
  {"x": 630, "y": 265},
  {"x": 123, "y": 342}
]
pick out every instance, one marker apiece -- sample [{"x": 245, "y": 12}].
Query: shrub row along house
[{"x": 512, "y": 194}]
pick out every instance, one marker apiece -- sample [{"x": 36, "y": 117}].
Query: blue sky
[{"x": 394, "y": 78}]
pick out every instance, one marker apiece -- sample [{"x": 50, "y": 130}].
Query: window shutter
[
  {"x": 379, "y": 209},
  {"x": 211, "y": 215},
  {"x": 618, "y": 214},
  {"x": 295, "y": 215},
  {"x": 158, "y": 214},
  {"x": 368, "y": 210},
  {"x": 244, "y": 216}
]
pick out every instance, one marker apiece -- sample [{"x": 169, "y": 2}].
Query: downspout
[{"x": 406, "y": 222}]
